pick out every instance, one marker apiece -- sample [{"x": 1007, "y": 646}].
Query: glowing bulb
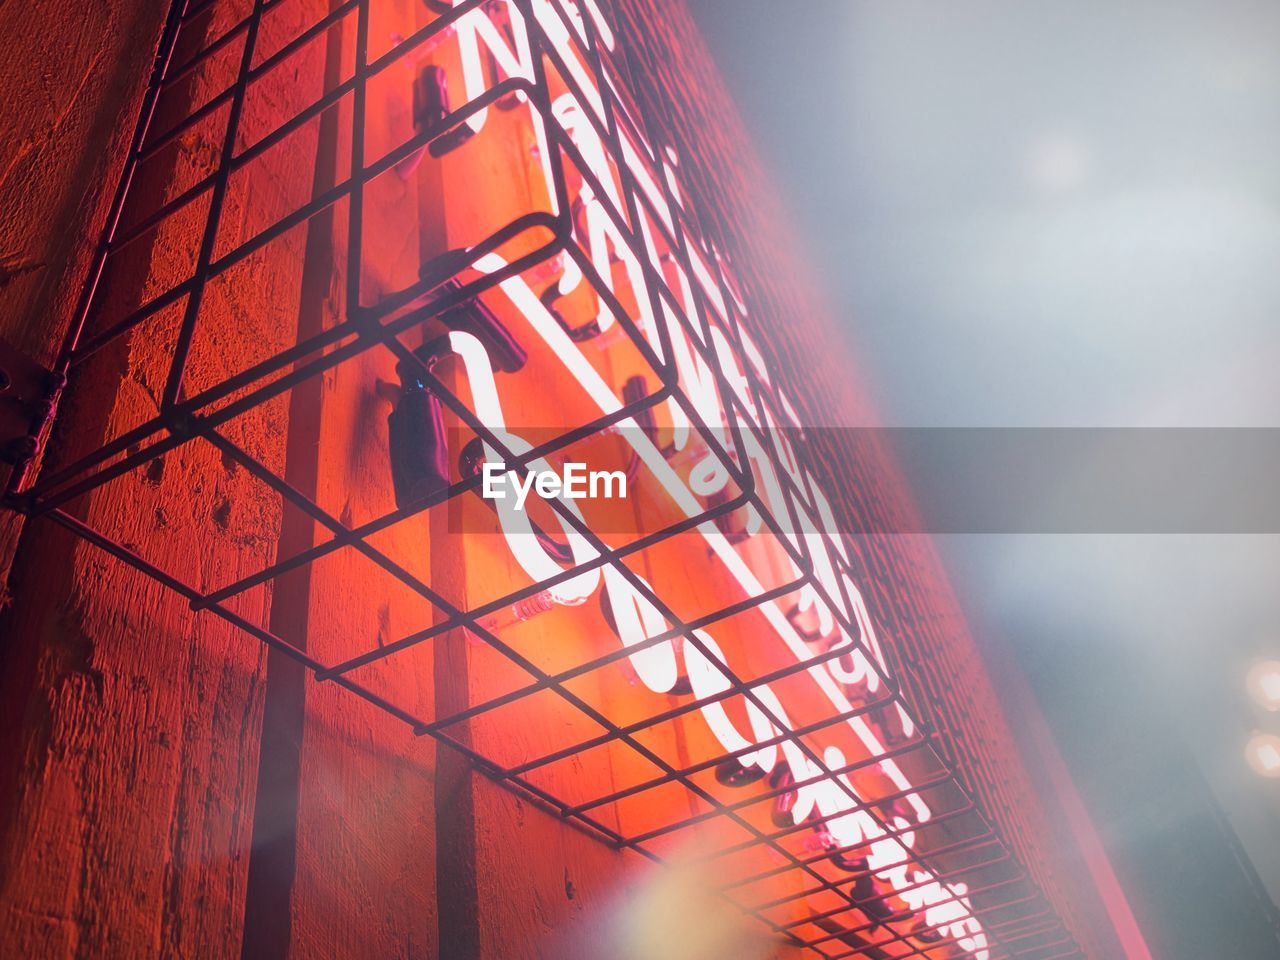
[
  {"x": 1264, "y": 684},
  {"x": 1263, "y": 754}
]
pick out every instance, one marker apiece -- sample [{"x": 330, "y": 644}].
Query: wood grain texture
[
  {"x": 73, "y": 81},
  {"x": 130, "y": 745},
  {"x": 131, "y": 727}
]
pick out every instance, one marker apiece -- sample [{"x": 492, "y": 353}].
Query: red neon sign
[
  {"x": 693, "y": 664},
  {"x": 638, "y": 296}
]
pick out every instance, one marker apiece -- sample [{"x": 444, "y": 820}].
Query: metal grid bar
[{"x": 382, "y": 325}]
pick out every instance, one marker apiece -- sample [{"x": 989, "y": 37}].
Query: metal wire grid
[
  {"x": 687, "y": 104},
  {"x": 956, "y": 844}
]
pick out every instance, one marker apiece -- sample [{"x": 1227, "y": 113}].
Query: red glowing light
[{"x": 529, "y": 259}]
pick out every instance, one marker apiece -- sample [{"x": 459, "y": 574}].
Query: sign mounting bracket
[{"x": 28, "y": 398}]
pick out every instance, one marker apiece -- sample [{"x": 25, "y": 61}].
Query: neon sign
[
  {"x": 637, "y": 287},
  {"x": 519, "y": 269}
]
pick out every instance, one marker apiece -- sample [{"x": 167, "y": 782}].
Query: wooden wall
[{"x": 167, "y": 787}]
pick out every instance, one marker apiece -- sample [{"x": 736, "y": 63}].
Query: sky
[
  {"x": 1033, "y": 213},
  {"x": 1036, "y": 214}
]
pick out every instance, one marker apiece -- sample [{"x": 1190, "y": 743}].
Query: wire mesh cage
[{"x": 368, "y": 257}]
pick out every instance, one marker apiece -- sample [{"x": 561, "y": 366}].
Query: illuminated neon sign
[
  {"x": 636, "y": 290},
  {"x": 690, "y": 666}
]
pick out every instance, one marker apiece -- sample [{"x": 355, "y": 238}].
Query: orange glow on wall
[{"x": 502, "y": 261}]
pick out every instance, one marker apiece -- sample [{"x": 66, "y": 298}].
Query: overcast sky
[
  {"x": 1032, "y": 213},
  {"x": 1061, "y": 214}
]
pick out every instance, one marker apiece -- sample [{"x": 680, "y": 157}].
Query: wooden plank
[
  {"x": 132, "y": 726},
  {"x": 365, "y": 882},
  {"x": 73, "y": 88},
  {"x": 272, "y": 862}
]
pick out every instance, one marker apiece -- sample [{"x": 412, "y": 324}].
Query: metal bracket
[{"x": 28, "y": 392}]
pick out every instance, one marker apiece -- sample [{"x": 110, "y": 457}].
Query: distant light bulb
[
  {"x": 1263, "y": 754},
  {"x": 1264, "y": 684}
]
